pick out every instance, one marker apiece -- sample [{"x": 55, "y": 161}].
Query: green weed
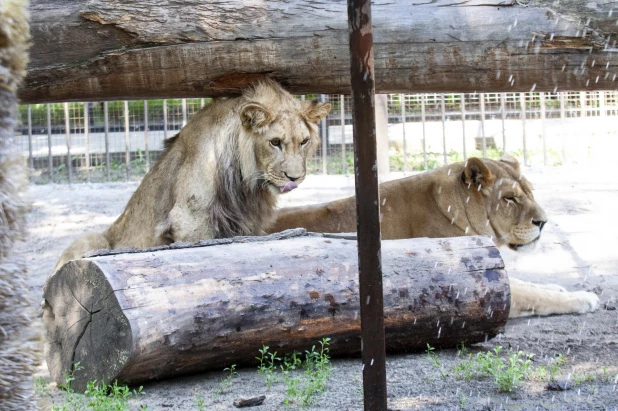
[
  {"x": 200, "y": 402},
  {"x": 433, "y": 357},
  {"x": 97, "y": 397},
  {"x": 268, "y": 365},
  {"x": 507, "y": 371},
  {"x": 302, "y": 389},
  {"x": 227, "y": 381}
]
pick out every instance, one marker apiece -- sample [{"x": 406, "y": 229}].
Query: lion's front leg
[
  {"x": 529, "y": 299},
  {"x": 183, "y": 224}
]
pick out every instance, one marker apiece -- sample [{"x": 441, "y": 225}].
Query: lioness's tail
[{"x": 81, "y": 245}]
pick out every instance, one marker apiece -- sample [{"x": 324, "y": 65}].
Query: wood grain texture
[
  {"x": 113, "y": 49},
  {"x": 155, "y": 314}
]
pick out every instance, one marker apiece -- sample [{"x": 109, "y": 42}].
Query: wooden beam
[
  {"x": 362, "y": 77},
  {"x": 147, "y": 315},
  {"x": 113, "y": 49}
]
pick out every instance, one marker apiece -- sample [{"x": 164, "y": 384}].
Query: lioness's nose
[
  {"x": 291, "y": 177},
  {"x": 539, "y": 224}
]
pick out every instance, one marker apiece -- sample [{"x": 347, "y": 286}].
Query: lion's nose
[
  {"x": 539, "y": 224},
  {"x": 291, "y": 178}
]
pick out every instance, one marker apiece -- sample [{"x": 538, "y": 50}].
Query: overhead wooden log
[
  {"x": 154, "y": 314},
  {"x": 114, "y": 49}
]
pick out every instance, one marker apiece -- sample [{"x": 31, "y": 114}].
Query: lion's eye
[
  {"x": 510, "y": 199},
  {"x": 275, "y": 142},
  {"x": 304, "y": 142}
]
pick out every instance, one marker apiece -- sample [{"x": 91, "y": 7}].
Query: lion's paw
[{"x": 586, "y": 302}]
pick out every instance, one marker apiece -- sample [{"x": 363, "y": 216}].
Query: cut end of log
[{"x": 86, "y": 331}]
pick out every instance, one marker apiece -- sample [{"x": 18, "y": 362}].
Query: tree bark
[
  {"x": 113, "y": 49},
  {"x": 154, "y": 314}
]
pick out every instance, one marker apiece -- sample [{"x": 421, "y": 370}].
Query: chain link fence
[{"x": 120, "y": 140}]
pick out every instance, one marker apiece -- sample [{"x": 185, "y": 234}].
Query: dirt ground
[{"x": 579, "y": 250}]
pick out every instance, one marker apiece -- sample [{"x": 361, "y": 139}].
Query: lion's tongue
[{"x": 290, "y": 185}]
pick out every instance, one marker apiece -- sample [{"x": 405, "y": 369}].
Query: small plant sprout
[
  {"x": 200, "y": 402},
  {"x": 506, "y": 371},
  {"x": 97, "y": 397},
  {"x": 304, "y": 378},
  {"x": 268, "y": 365}
]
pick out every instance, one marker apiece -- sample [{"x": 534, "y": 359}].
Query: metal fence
[{"x": 120, "y": 140}]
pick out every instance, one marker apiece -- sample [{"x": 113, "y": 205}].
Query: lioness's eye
[
  {"x": 276, "y": 142},
  {"x": 510, "y": 198},
  {"x": 304, "y": 142}
]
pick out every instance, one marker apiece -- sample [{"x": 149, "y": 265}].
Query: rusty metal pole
[{"x": 367, "y": 205}]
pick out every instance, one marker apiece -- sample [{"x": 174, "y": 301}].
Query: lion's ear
[
  {"x": 314, "y": 111},
  {"x": 476, "y": 172},
  {"x": 511, "y": 161},
  {"x": 256, "y": 117}
]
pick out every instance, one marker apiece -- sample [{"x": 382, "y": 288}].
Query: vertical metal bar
[
  {"x": 503, "y": 118},
  {"x": 602, "y": 111},
  {"x": 165, "y": 119},
  {"x": 146, "y": 150},
  {"x": 463, "y": 124},
  {"x": 202, "y": 103},
  {"x": 424, "y": 132},
  {"x": 106, "y": 130},
  {"x": 543, "y": 115},
  {"x": 184, "y": 111},
  {"x": 50, "y": 157},
  {"x": 30, "y": 157},
  {"x": 87, "y": 140},
  {"x": 402, "y": 101},
  {"x": 443, "y": 116},
  {"x": 582, "y": 103},
  {"x": 67, "y": 130},
  {"x": 367, "y": 205},
  {"x": 561, "y": 95},
  {"x": 322, "y": 98},
  {"x": 484, "y": 138},
  {"x": 127, "y": 140},
  {"x": 522, "y": 103},
  {"x": 344, "y": 165}
]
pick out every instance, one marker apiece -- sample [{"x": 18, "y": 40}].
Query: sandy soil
[{"x": 578, "y": 251}]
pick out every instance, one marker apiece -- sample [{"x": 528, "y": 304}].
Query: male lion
[
  {"x": 220, "y": 176},
  {"x": 478, "y": 197}
]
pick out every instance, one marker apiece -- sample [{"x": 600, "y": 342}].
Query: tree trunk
[
  {"x": 154, "y": 314},
  {"x": 113, "y": 49}
]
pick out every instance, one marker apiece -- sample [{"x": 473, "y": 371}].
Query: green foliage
[
  {"x": 433, "y": 357},
  {"x": 268, "y": 365},
  {"x": 507, "y": 371},
  {"x": 200, "y": 402},
  {"x": 303, "y": 390},
  {"x": 97, "y": 397},
  {"x": 305, "y": 379},
  {"x": 463, "y": 401},
  {"x": 579, "y": 379},
  {"x": 227, "y": 381},
  {"x": 551, "y": 369}
]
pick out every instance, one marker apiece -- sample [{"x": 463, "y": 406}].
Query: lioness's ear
[
  {"x": 314, "y": 111},
  {"x": 476, "y": 172},
  {"x": 256, "y": 117},
  {"x": 511, "y": 161}
]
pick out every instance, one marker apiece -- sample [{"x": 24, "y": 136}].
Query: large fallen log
[
  {"x": 116, "y": 49},
  {"x": 164, "y": 312}
]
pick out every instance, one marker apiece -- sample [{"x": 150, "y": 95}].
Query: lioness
[
  {"x": 478, "y": 197},
  {"x": 220, "y": 176}
]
